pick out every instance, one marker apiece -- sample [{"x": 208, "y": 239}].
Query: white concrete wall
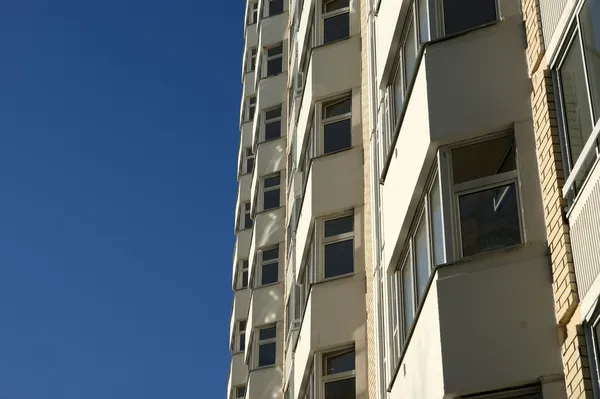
[
  {"x": 267, "y": 305},
  {"x": 497, "y": 321},
  {"x": 333, "y": 186},
  {"x": 268, "y": 230},
  {"x": 243, "y": 239},
  {"x": 238, "y": 371},
  {"x": 270, "y": 158},
  {"x": 421, "y": 374},
  {"x": 239, "y": 311},
  {"x": 265, "y": 383}
]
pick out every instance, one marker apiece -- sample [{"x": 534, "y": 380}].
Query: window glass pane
[
  {"x": 269, "y": 273},
  {"x": 339, "y": 363},
  {"x": 342, "y": 389},
  {"x": 271, "y": 199},
  {"x": 245, "y": 279},
  {"x": 267, "y": 333},
  {"x": 272, "y": 181},
  {"x": 333, "y": 5},
  {"x": 273, "y": 130},
  {"x": 275, "y": 51},
  {"x": 266, "y": 354},
  {"x": 421, "y": 257},
  {"x": 339, "y": 258},
  {"x": 576, "y": 104},
  {"x": 247, "y": 221},
  {"x": 339, "y": 226},
  {"x": 457, "y": 20},
  {"x": 249, "y": 165},
  {"x": 274, "y": 66},
  {"x": 408, "y": 306},
  {"x": 337, "y": 136},
  {"x": 437, "y": 225},
  {"x": 483, "y": 159},
  {"x": 590, "y": 27},
  {"x": 242, "y": 341},
  {"x": 274, "y": 113},
  {"x": 489, "y": 220},
  {"x": 423, "y": 21},
  {"x": 270, "y": 254},
  {"x": 336, "y": 28},
  {"x": 275, "y": 7},
  {"x": 240, "y": 392},
  {"x": 410, "y": 52},
  {"x": 338, "y": 108}
]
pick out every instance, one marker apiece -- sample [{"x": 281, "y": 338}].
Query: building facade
[{"x": 417, "y": 214}]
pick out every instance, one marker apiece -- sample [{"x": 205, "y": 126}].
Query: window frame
[
  {"x": 338, "y": 238},
  {"x": 576, "y": 169},
  {"x": 250, "y": 108},
  {"x": 272, "y": 58},
  {"x": 247, "y": 156},
  {"x": 262, "y": 263},
  {"x": 252, "y": 13},
  {"x": 236, "y": 391},
  {"x": 479, "y": 185},
  {"x": 268, "y": 189},
  {"x": 324, "y": 378},
  {"x": 245, "y": 216},
  {"x": 320, "y": 111},
  {"x": 240, "y": 336},
  {"x": 593, "y": 348},
  {"x": 277, "y": 119},
  {"x": 267, "y": 341},
  {"x": 242, "y": 268},
  {"x": 326, "y": 15},
  {"x": 251, "y": 59}
]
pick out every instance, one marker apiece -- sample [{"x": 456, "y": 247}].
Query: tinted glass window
[
  {"x": 271, "y": 199},
  {"x": 337, "y": 108},
  {"x": 336, "y": 28},
  {"x": 489, "y": 220},
  {"x": 337, "y": 136},
  {"x": 275, "y": 7},
  {"x": 339, "y": 363},
  {"x": 339, "y": 258},
  {"x": 272, "y": 130},
  {"x": 339, "y": 226},
  {"x": 269, "y": 273},
  {"x": 483, "y": 159},
  {"x": 461, "y": 15},
  {"x": 266, "y": 354},
  {"x": 342, "y": 389}
]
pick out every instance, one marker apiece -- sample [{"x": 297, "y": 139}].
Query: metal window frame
[
  {"x": 268, "y": 189},
  {"x": 259, "y": 343},
  {"x": 272, "y": 58},
  {"x": 321, "y": 109},
  {"x": 451, "y": 196},
  {"x": 321, "y": 372},
  {"x": 338, "y": 238},
  {"x": 268, "y": 262},
  {"x": 326, "y": 15},
  {"x": 272, "y": 120}
]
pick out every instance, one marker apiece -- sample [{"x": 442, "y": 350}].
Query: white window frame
[
  {"x": 259, "y": 343},
  {"x": 250, "y": 104},
  {"x": 324, "y": 241},
  {"x": 245, "y": 210},
  {"x": 272, "y": 120},
  {"x": 273, "y": 57},
  {"x": 242, "y": 267},
  {"x": 252, "y": 12},
  {"x": 251, "y": 61},
  {"x": 268, "y": 189},
  {"x": 326, "y": 15},
  {"x": 240, "y": 335},
  {"x": 325, "y": 378},
  {"x": 320, "y": 110},
  {"x": 236, "y": 391},
  {"x": 478, "y": 185},
  {"x": 263, "y": 263},
  {"x": 247, "y": 155}
]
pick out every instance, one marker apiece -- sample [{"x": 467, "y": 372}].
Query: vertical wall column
[{"x": 566, "y": 299}]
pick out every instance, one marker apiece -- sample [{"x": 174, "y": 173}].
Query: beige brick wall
[
  {"x": 371, "y": 348},
  {"x": 552, "y": 178}
]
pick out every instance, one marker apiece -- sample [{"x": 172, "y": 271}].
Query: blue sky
[{"x": 118, "y": 143}]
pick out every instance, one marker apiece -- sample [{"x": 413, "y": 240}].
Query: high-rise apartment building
[{"x": 417, "y": 214}]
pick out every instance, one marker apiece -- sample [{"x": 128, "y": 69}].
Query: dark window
[
  {"x": 336, "y": 23},
  {"x": 483, "y": 159},
  {"x": 275, "y": 60},
  {"x": 461, "y": 15},
  {"x": 275, "y": 7},
  {"x": 271, "y": 195},
  {"x": 339, "y": 363},
  {"x": 337, "y": 125},
  {"x": 338, "y": 226},
  {"x": 273, "y": 124},
  {"x": 339, "y": 258}
]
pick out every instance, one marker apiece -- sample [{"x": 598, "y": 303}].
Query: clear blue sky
[{"x": 118, "y": 143}]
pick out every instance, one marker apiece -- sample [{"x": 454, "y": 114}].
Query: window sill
[
  {"x": 334, "y": 278},
  {"x": 332, "y": 42},
  {"x": 462, "y": 261},
  {"x": 267, "y": 210}
]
